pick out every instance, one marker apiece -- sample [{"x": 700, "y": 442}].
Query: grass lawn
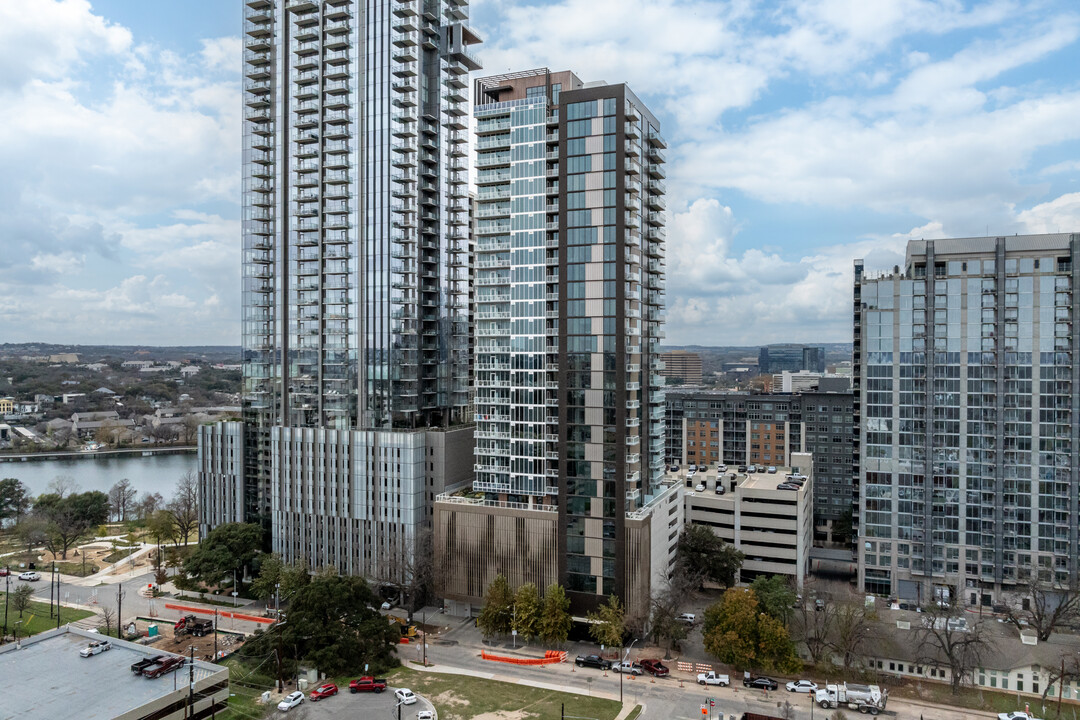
[
  {"x": 987, "y": 700},
  {"x": 459, "y": 697},
  {"x": 115, "y": 557},
  {"x": 36, "y": 618},
  {"x": 205, "y": 601}
]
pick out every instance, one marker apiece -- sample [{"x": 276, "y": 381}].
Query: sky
[{"x": 802, "y": 134}]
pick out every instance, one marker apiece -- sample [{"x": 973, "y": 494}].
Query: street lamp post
[
  {"x": 17, "y": 624},
  {"x": 621, "y": 673},
  {"x": 7, "y": 594}
]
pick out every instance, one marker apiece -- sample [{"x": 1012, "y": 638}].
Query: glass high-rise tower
[{"x": 355, "y": 271}]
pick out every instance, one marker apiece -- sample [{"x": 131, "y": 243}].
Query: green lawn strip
[
  {"x": 983, "y": 699},
  {"x": 75, "y": 568},
  {"x": 118, "y": 555},
  {"x": 36, "y": 618},
  {"x": 634, "y": 713},
  {"x": 206, "y": 601},
  {"x": 460, "y": 697}
]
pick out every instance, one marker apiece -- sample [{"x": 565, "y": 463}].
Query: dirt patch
[
  {"x": 182, "y": 644},
  {"x": 449, "y": 699},
  {"x": 504, "y": 715}
]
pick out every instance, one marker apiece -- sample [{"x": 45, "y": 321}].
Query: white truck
[
  {"x": 711, "y": 678},
  {"x": 864, "y": 698}
]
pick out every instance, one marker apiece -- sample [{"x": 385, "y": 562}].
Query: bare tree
[
  {"x": 664, "y": 608},
  {"x": 108, "y": 615},
  {"x": 63, "y": 485},
  {"x": 787, "y": 712},
  {"x": 410, "y": 570},
  {"x": 163, "y": 433},
  {"x": 946, "y": 638},
  {"x": 815, "y": 628},
  {"x": 62, "y": 437},
  {"x": 148, "y": 504},
  {"x": 184, "y": 506},
  {"x": 122, "y": 499},
  {"x": 1067, "y": 671},
  {"x": 1044, "y": 607},
  {"x": 851, "y": 628},
  {"x": 189, "y": 429}
]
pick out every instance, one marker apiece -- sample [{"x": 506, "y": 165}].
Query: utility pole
[
  {"x": 7, "y": 593},
  {"x": 119, "y": 605},
  {"x": 57, "y": 574},
  {"x": 1061, "y": 681},
  {"x": 424, "y": 623},
  {"x": 215, "y": 633},
  {"x": 191, "y": 684},
  {"x": 51, "y": 593}
]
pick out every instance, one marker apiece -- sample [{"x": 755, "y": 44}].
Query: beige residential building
[
  {"x": 682, "y": 365},
  {"x": 772, "y": 526}
]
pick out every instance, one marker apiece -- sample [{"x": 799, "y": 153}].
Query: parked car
[
  {"x": 95, "y": 647},
  {"x": 425, "y": 715},
  {"x": 593, "y": 661},
  {"x": 674, "y": 468},
  {"x": 687, "y": 618},
  {"x": 802, "y": 686},
  {"x": 30, "y": 576},
  {"x": 721, "y": 468},
  {"x": 742, "y": 468},
  {"x": 367, "y": 684},
  {"x": 405, "y": 696},
  {"x": 654, "y": 668},
  {"x": 692, "y": 468},
  {"x": 819, "y": 604},
  {"x": 626, "y": 666},
  {"x": 323, "y": 691},
  {"x": 772, "y": 470},
  {"x": 712, "y": 678},
  {"x": 720, "y": 488},
  {"x": 1016, "y": 716},
  {"x": 385, "y": 606},
  {"x": 291, "y": 700},
  {"x": 139, "y": 666},
  {"x": 4, "y": 572},
  {"x": 703, "y": 468},
  {"x": 700, "y": 487},
  {"x": 761, "y": 683},
  {"x": 788, "y": 486}
]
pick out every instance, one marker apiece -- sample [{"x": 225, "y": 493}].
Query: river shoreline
[{"x": 76, "y": 455}]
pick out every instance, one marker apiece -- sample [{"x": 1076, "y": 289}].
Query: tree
[
  {"x": 184, "y": 506},
  {"x": 851, "y": 621},
  {"x": 68, "y": 518},
  {"x": 555, "y": 618},
  {"x": 816, "y": 628},
  {"x": 410, "y": 569},
  {"x": 271, "y": 568},
  {"x": 526, "y": 615},
  {"x": 775, "y": 595},
  {"x": 947, "y": 638},
  {"x": 14, "y": 500},
  {"x": 333, "y": 625},
  {"x": 21, "y": 598},
  {"x": 108, "y": 615},
  {"x": 163, "y": 433},
  {"x": 149, "y": 504},
  {"x": 162, "y": 527},
  {"x": 1044, "y": 608},
  {"x": 227, "y": 549},
  {"x": 738, "y": 633},
  {"x": 843, "y": 527},
  {"x": 664, "y": 608},
  {"x": 608, "y": 624},
  {"x": 1066, "y": 671},
  {"x": 122, "y": 499},
  {"x": 63, "y": 485},
  {"x": 189, "y": 429},
  {"x": 497, "y": 616},
  {"x": 706, "y": 555},
  {"x": 31, "y": 532}
]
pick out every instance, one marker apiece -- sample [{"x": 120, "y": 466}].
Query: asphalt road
[{"x": 381, "y": 706}]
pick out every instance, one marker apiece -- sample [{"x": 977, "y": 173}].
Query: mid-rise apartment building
[
  {"x": 741, "y": 428},
  {"x": 355, "y": 328},
  {"x": 965, "y": 370},
  {"x": 681, "y": 365},
  {"x": 569, "y": 303}
]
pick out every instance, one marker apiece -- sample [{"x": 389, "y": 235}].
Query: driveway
[{"x": 381, "y": 706}]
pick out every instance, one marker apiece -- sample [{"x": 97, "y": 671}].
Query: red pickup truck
[
  {"x": 367, "y": 684},
  {"x": 165, "y": 665}
]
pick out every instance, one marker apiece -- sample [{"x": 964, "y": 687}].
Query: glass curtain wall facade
[
  {"x": 570, "y": 294},
  {"x": 355, "y": 224},
  {"x": 967, "y": 398}
]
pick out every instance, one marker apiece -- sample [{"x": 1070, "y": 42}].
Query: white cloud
[
  {"x": 59, "y": 263},
  {"x": 222, "y": 53},
  {"x": 1059, "y": 215}
]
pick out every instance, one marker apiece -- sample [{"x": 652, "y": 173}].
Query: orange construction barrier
[
  {"x": 550, "y": 657},
  {"x": 219, "y": 613}
]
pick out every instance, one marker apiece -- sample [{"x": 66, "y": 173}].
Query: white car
[
  {"x": 1016, "y": 716},
  {"x": 687, "y": 618},
  {"x": 385, "y": 606},
  {"x": 30, "y": 576},
  {"x": 802, "y": 686},
  {"x": 291, "y": 700},
  {"x": 425, "y": 715},
  {"x": 700, "y": 487},
  {"x": 405, "y": 696},
  {"x": 95, "y": 647},
  {"x": 722, "y": 469}
]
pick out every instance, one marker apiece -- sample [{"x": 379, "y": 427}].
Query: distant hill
[{"x": 91, "y": 353}]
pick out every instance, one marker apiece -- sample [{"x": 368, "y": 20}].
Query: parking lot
[{"x": 378, "y": 706}]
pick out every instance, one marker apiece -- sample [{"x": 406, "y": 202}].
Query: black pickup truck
[{"x": 138, "y": 667}]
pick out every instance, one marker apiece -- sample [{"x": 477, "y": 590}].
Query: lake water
[{"x": 151, "y": 473}]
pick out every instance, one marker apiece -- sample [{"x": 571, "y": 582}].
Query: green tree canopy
[
  {"x": 705, "y": 555},
  {"x": 608, "y": 625},
  {"x": 555, "y": 618},
  {"x": 67, "y": 518},
  {"x": 775, "y": 595},
  {"x": 333, "y": 624},
  {"x": 738, "y": 632},
  {"x": 497, "y": 615},
  {"x": 14, "y": 499},
  {"x": 226, "y": 549},
  {"x": 21, "y": 598},
  {"x": 526, "y": 615}
]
